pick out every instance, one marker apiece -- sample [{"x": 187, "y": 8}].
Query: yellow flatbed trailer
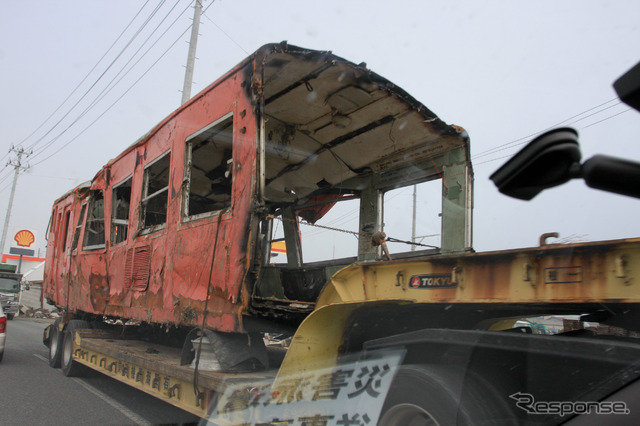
[
  {"x": 442, "y": 336},
  {"x": 444, "y": 301},
  {"x": 155, "y": 369}
]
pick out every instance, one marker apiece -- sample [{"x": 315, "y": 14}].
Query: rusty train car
[
  {"x": 177, "y": 229},
  {"x": 175, "y": 235}
]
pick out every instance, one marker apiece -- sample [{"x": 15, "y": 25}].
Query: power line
[
  {"x": 515, "y": 143},
  {"x": 115, "y": 102},
  {"x": 584, "y": 127},
  {"x": 111, "y": 85},
  {"x": 78, "y": 86},
  {"x": 608, "y": 118},
  {"x": 223, "y": 32},
  {"x": 525, "y": 139},
  {"x": 48, "y": 144}
]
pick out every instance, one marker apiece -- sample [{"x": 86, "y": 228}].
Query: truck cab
[{"x": 10, "y": 293}]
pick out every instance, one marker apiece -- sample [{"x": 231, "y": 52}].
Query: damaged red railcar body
[{"x": 177, "y": 229}]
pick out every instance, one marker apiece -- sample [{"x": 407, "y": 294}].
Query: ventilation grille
[{"x": 136, "y": 268}]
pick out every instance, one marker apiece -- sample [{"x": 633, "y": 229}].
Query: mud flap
[
  {"x": 46, "y": 335},
  {"x": 232, "y": 352}
]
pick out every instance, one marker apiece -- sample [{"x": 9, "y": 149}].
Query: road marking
[{"x": 106, "y": 398}]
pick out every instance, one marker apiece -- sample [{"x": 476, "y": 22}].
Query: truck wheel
[
  {"x": 71, "y": 368},
  {"x": 422, "y": 395},
  {"x": 55, "y": 345},
  {"x": 10, "y": 316}
]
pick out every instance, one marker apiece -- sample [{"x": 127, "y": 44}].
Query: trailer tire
[
  {"x": 71, "y": 368},
  {"x": 431, "y": 396},
  {"x": 55, "y": 345}
]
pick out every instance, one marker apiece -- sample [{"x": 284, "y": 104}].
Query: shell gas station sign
[{"x": 23, "y": 242}]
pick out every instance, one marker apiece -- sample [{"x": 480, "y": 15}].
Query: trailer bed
[{"x": 156, "y": 369}]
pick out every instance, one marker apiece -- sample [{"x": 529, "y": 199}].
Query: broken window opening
[
  {"x": 287, "y": 274},
  {"x": 67, "y": 223},
  {"x": 413, "y": 214},
  {"x": 94, "y": 230},
  {"x": 57, "y": 229},
  {"x": 76, "y": 235},
  {"x": 277, "y": 246},
  {"x": 209, "y": 169},
  {"x": 155, "y": 194},
  {"x": 120, "y": 202},
  {"x": 332, "y": 237}
]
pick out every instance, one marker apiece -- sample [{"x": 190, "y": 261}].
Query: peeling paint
[{"x": 204, "y": 179}]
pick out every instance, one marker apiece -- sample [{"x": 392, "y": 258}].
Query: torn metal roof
[{"x": 330, "y": 123}]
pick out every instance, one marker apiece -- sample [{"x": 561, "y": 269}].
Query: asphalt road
[{"x": 33, "y": 393}]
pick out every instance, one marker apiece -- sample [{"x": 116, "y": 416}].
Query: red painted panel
[{"x": 166, "y": 275}]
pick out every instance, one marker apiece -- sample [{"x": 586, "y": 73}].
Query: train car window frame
[
  {"x": 65, "y": 235},
  {"x": 94, "y": 227},
  {"x": 218, "y": 180},
  {"x": 160, "y": 193},
  {"x": 76, "y": 234},
  {"x": 120, "y": 210}
]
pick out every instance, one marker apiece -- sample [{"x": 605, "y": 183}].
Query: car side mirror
[
  {"x": 553, "y": 158},
  {"x": 549, "y": 160}
]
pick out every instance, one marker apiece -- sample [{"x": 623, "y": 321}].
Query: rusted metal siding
[
  {"x": 177, "y": 261},
  {"x": 601, "y": 272},
  {"x": 57, "y": 266},
  {"x": 305, "y": 124}
]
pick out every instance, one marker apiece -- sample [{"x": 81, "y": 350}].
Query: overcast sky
[{"x": 503, "y": 70}]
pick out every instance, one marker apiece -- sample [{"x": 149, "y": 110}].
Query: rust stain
[
  {"x": 99, "y": 294},
  {"x": 182, "y": 251},
  {"x": 204, "y": 264}
]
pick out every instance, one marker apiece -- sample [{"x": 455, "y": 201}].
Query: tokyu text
[
  {"x": 431, "y": 281},
  {"x": 527, "y": 402}
]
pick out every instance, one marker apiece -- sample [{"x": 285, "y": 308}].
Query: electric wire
[
  {"x": 85, "y": 77},
  {"x": 114, "y": 103},
  {"x": 608, "y": 118},
  {"x": 525, "y": 139},
  {"x": 33, "y": 145},
  {"x": 119, "y": 98},
  {"x": 5, "y": 156},
  {"x": 225, "y": 33},
  {"x": 4, "y": 188},
  {"x": 3, "y": 179},
  {"x": 515, "y": 143},
  {"x": 111, "y": 84},
  {"x": 348, "y": 216}
]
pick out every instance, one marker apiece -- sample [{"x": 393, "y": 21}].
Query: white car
[{"x": 3, "y": 332}]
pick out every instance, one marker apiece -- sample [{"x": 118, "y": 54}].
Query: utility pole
[
  {"x": 17, "y": 165},
  {"x": 191, "y": 58},
  {"x": 413, "y": 222},
  {"x": 414, "y": 237}
]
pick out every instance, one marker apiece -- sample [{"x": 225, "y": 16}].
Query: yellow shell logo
[{"x": 24, "y": 238}]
